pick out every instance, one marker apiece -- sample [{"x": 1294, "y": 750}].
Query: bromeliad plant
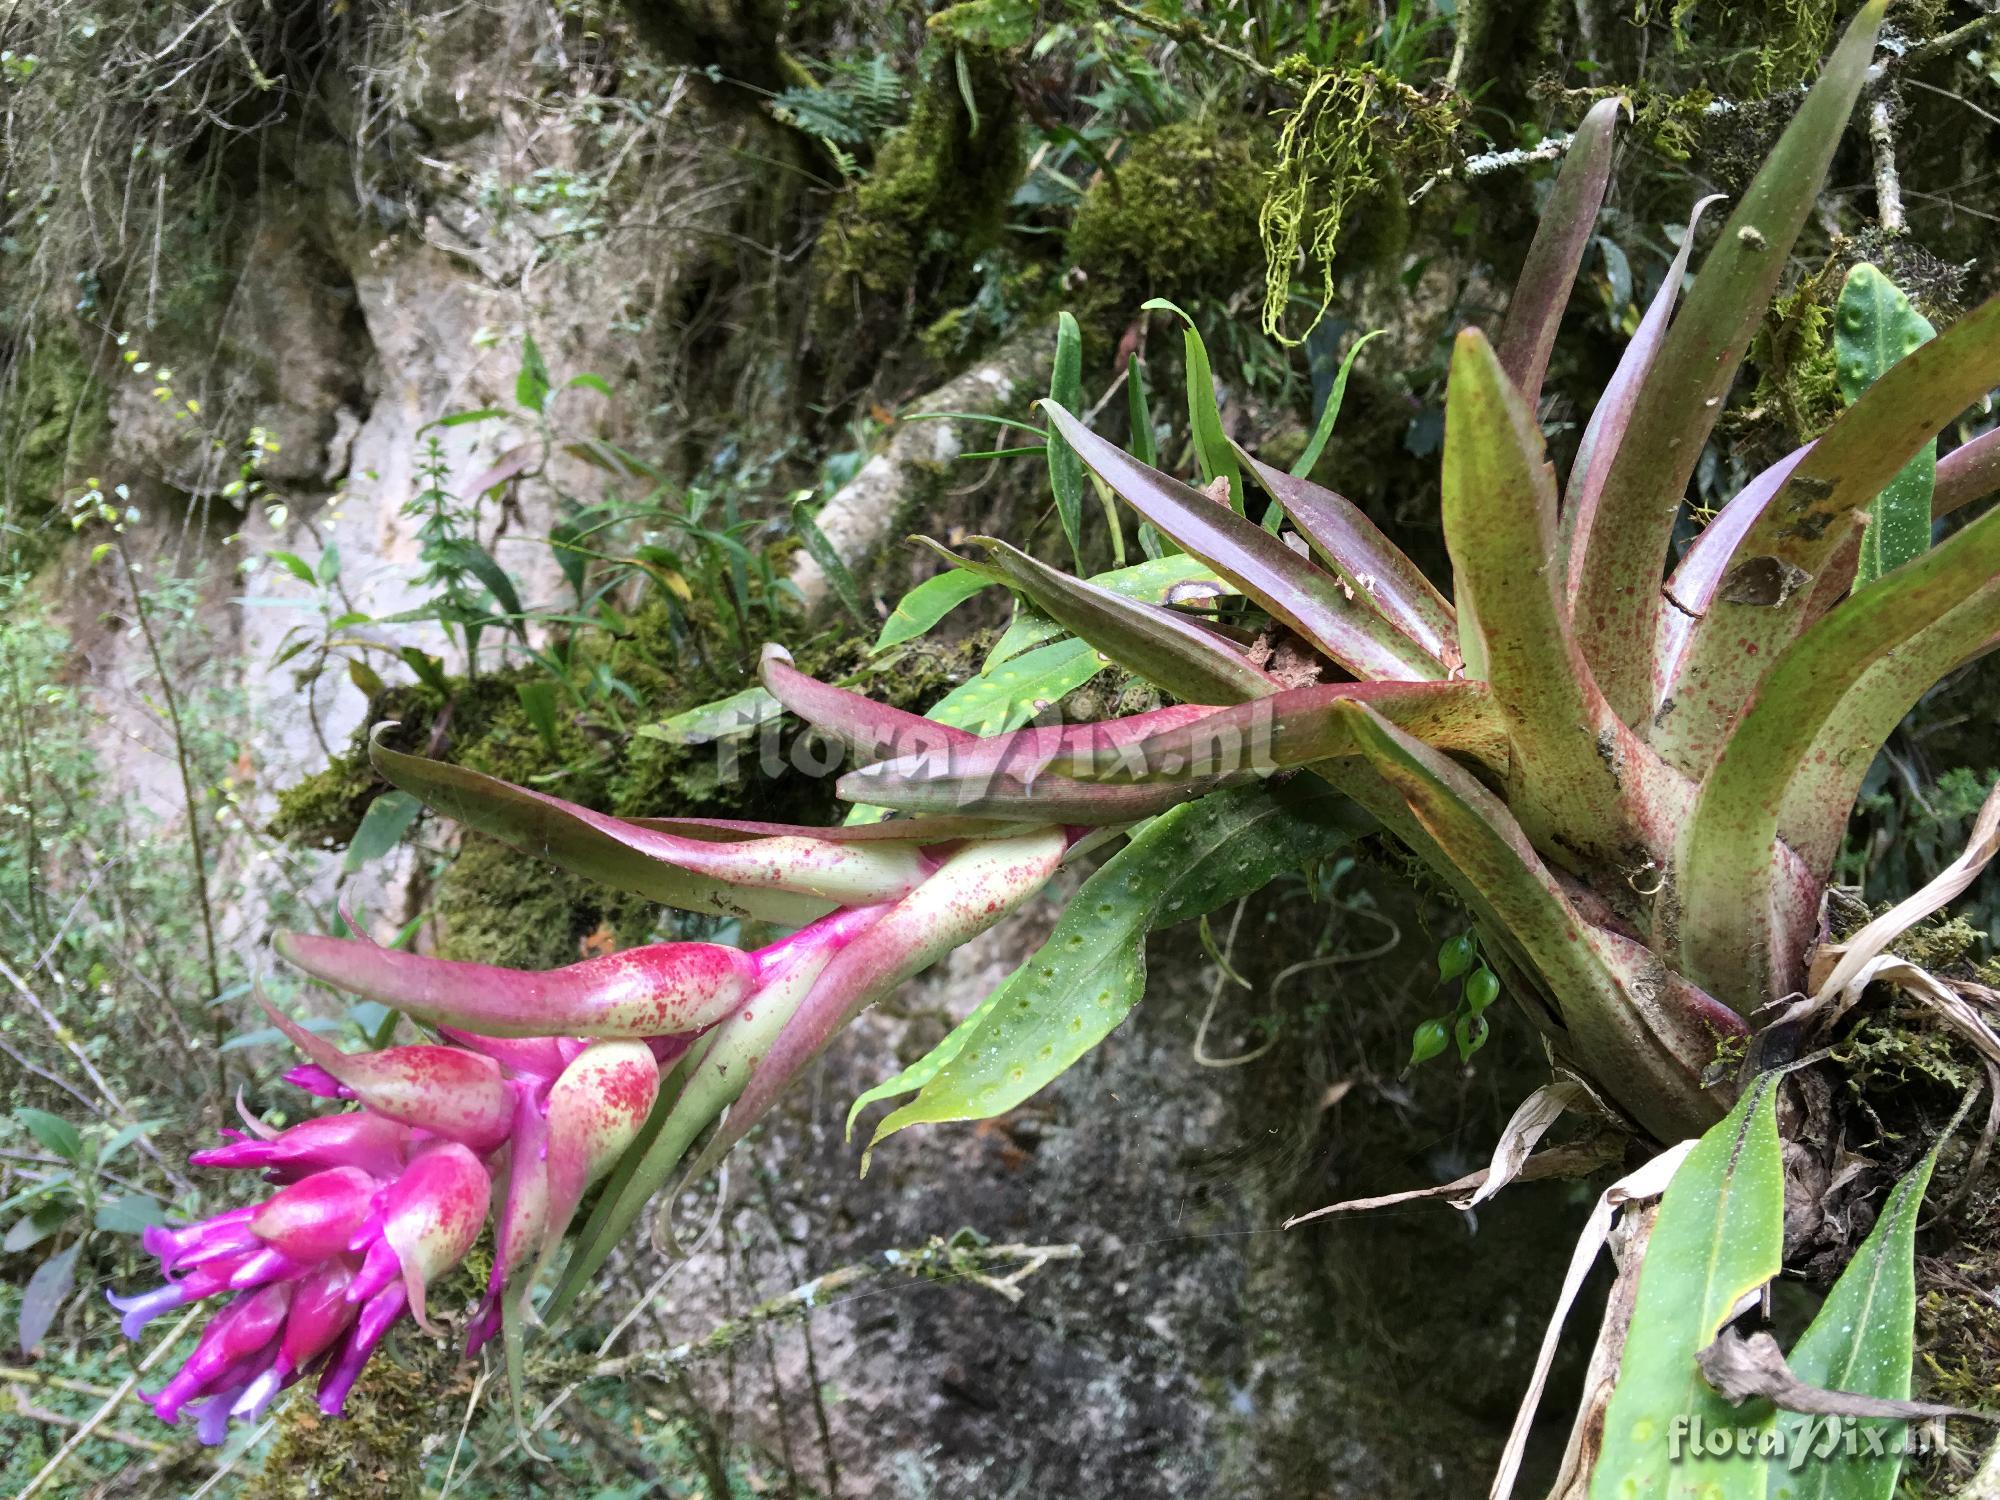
[{"x": 1637, "y": 787}]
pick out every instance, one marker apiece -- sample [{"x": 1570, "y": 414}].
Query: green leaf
[
  {"x": 1139, "y": 413},
  {"x": 919, "y": 611},
  {"x": 1528, "y": 332},
  {"x": 46, "y": 1292},
  {"x": 1014, "y": 692},
  {"x": 1330, "y": 413},
  {"x": 125, "y": 1136},
  {"x": 1065, "y": 468},
  {"x": 293, "y": 564},
  {"x": 365, "y": 678},
  {"x": 1091, "y": 972},
  {"x": 1726, "y": 875},
  {"x": 1576, "y": 780},
  {"x": 823, "y": 552},
  {"x": 1718, "y": 1236},
  {"x": 1174, "y": 654},
  {"x": 382, "y": 827},
  {"x": 1216, "y": 458},
  {"x": 134, "y": 1213},
  {"x": 531, "y": 385},
  {"x": 538, "y": 702},
  {"x": 53, "y": 1132},
  {"x": 429, "y": 669},
  {"x": 1862, "y": 1342},
  {"x": 1151, "y": 582},
  {"x": 329, "y": 564},
  {"x": 1681, "y": 398},
  {"x": 472, "y": 558},
  {"x": 1873, "y": 327},
  {"x": 739, "y": 713}
]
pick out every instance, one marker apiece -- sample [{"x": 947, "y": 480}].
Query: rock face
[{"x": 1195, "y": 1348}]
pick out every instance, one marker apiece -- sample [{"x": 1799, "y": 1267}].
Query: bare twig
[
  {"x": 937, "y": 1261},
  {"x": 1191, "y": 34},
  {"x": 1882, "y": 140},
  {"x": 199, "y": 854},
  {"x": 103, "y": 1413}
]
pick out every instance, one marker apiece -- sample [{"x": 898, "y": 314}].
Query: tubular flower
[{"x": 539, "y": 1086}]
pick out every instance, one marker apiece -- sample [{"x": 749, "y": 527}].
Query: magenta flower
[{"x": 541, "y": 1081}]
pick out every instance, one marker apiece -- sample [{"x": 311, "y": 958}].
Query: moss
[
  {"x": 1178, "y": 220},
  {"x": 373, "y": 1451},
  {"x": 1793, "y": 353},
  {"x": 52, "y": 432},
  {"x": 903, "y": 243}
]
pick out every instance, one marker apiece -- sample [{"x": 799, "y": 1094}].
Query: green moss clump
[
  {"x": 904, "y": 241},
  {"x": 1179, "y": 220},
  {"x": 1793, "y": 353},
  {"x": 52, "y": 432},
  {"x": 373, "y": 1451}
]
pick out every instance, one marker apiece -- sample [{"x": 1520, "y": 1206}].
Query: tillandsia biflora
[{"x": 1636, "y": 780}]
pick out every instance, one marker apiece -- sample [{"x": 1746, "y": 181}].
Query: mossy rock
[
  {"x": 901, "y": 246},
  {"x": 53, "y": 431},
  {"x": 1178, "y": 220}
]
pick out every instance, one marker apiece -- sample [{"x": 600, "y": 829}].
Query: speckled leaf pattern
[
  {"x": 1015, "y": 691},
  {"x": 1091, "y": 972},
  {"x": 1186, "y": 659},
  {"x": 929, "y": 602},
  {"x": 1862, "y": 1342},
  {"x": 1152, "y": 582},
  {"x": 1719, "y": 1235},
  {"x": 1874, "y": 325}
]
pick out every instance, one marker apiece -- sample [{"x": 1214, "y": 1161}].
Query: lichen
[{"x": 1341, "y": 158}]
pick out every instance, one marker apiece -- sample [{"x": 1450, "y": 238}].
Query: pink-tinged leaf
[
  {"x": 524, "y": 1213},
  {"x": 1173, "y": 653},
  {"x": 1313, "y": 603},
  {"x": 872, "y": 731},
  {"x": 1577, "y": 777},
  {"x": 1764, "y": 598},
  {"x": 1294, "y": 728},
  {"x": 430, "y": 1217},
  {"x": 1967, "y": 474},
  {"x": 611, "y": 850},
  {"x": 1618, "y": 595},
  {"x": 1820, "y": 797},
  {"x": 1734, "y": 933},
  {"x": 1008, "y": 775},
  {"x": 665, "y": 989},
  {"x": 1366, "y": 560},
  {"x": 1692, "y": 588},
  {"x": 532, "y": 1056},
  {"x": 970, "y": 892},
  {"x": 595, "y": 1111},
  {"x": 445, "y": 1090},
  {"x": 1535, "y": 311},
  {"x": 1613, "y": 412},
  {"x": 1645, "y": 1035},
  {"x": 920, "y": 832}
]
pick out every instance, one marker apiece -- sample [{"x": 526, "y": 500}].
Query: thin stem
[{"x": 195, "y": 846}]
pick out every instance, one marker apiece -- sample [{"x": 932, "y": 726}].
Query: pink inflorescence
[{"x": 372, "y": 1205}]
